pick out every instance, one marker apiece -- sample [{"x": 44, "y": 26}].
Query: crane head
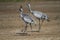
[
  {"x": 21, "y": 9},
  {"x": 28, "y": 4}
]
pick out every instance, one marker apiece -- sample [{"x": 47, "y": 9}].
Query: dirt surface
[{"x": 11, "y": 25}]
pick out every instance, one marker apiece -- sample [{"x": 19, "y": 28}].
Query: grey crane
[
  {"x": 26, "y": 18},
  {"x": 39, "y": 15}
]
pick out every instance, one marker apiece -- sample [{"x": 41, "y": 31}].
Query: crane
[
  {"x": 26, "y": 18},
  {"x": 39, "y": 15}
]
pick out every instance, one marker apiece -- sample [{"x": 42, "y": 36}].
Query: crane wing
[
  {"x": 37, "y": 14},
  {"x": 28, "y": 19}
]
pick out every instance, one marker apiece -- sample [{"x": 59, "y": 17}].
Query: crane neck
[{"x": 30, "y": 9}]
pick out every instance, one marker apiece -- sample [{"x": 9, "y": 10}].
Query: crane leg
[
  {"x": 42, "y": 21},
  {"x": 25, "y": 28},
  {"x": 39, "y": 26},
  {"x": 31, "y": 26}
]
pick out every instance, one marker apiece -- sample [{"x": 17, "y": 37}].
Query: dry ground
[{"x": 11, "y": 25}]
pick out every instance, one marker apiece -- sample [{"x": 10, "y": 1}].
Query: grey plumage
[
  {"x": 26, "y": 18},
  {"x": 39, "y": 15}
]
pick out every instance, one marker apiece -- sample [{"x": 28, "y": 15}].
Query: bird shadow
[
  {"x": 22, "y": 34},
  {"x": 33, "y": 31}
]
